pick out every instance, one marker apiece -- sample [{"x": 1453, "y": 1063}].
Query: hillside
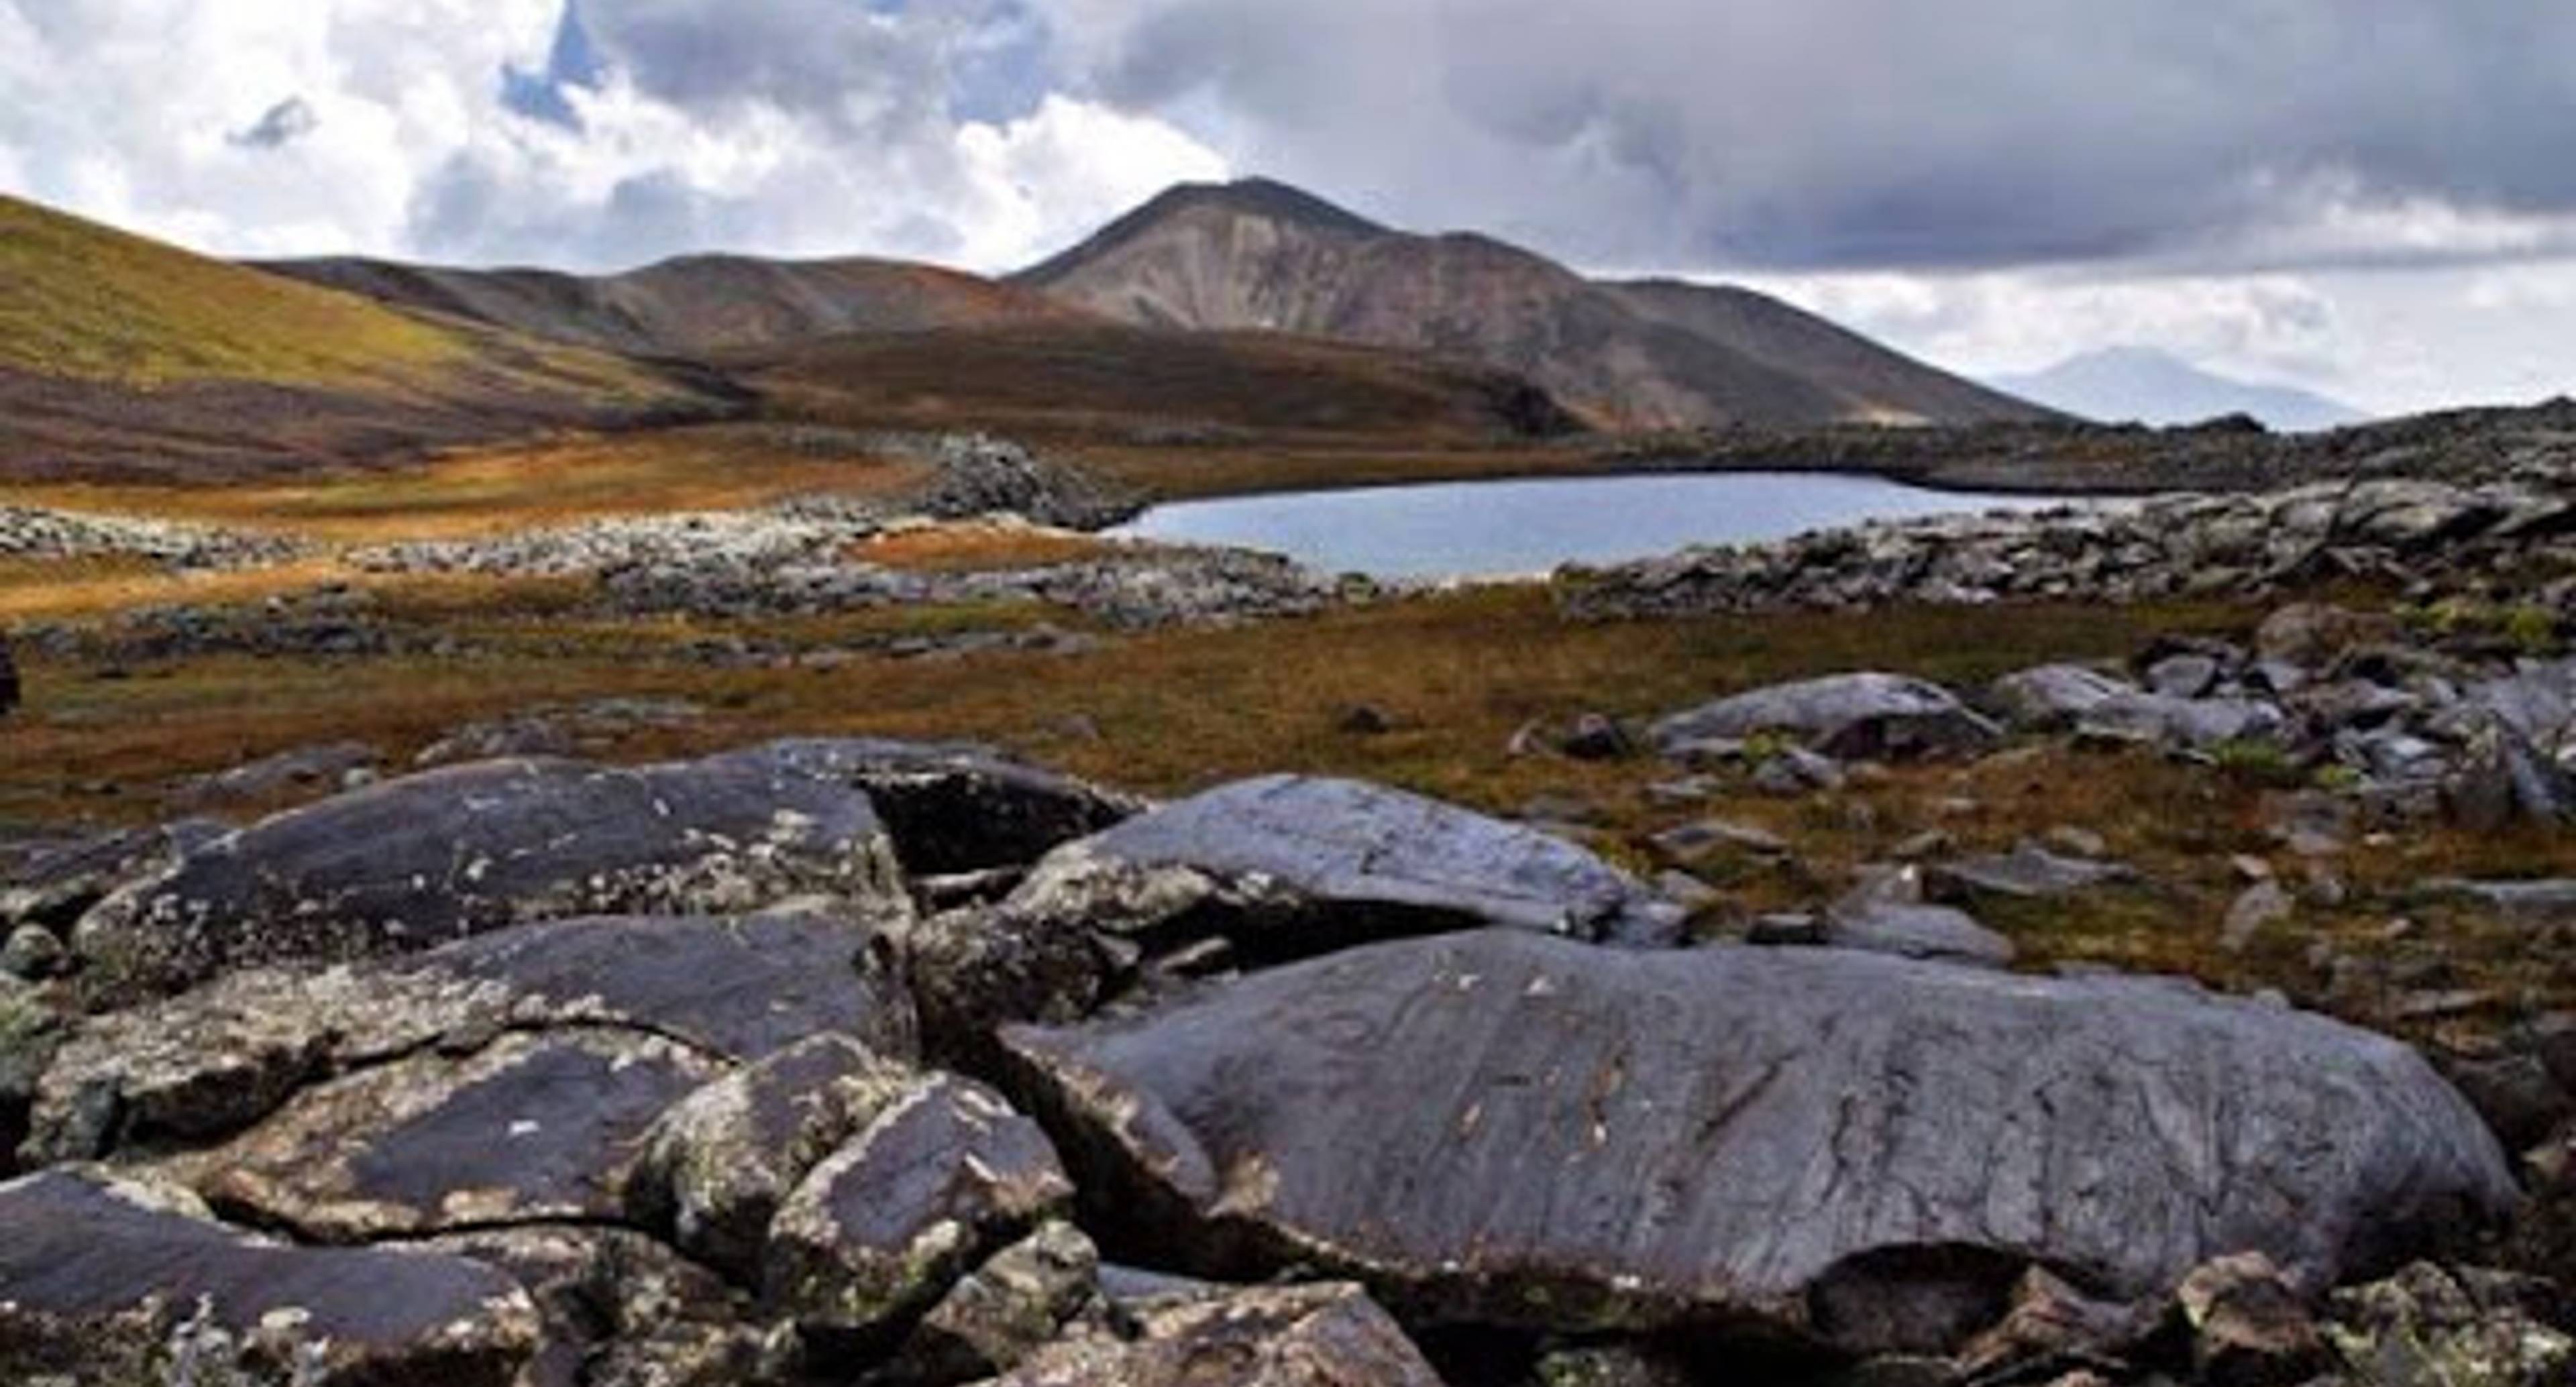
[
  {"x": 123, "y": 357},
  {"x": 2147, "y": 386},
  {"x": 1261, "y": 256},
  {"x": 694, "y": 305}
]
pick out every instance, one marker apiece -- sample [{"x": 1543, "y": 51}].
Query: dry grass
[
  {"x": 976, "y": 548},
  {"x": 498, "y": 490}
]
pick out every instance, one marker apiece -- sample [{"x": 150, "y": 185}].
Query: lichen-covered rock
[
  {"x": 875, "y": 1235},
  {"x": 717, "y": 1166},
  {"x": 955, "y": 808},
  {"x": 111, "y": 1283},
  {"x": 1286, "y": 1336},
  {"x": 411, "y": 864},
  {"x": 1851, "y": 717},
  {"x": 210, "y": 1062},
  {"x": 531, "y": 1128},
  {"x": 1014, "y": 1305},
  {"x": 1509, "y": 1129},
  {"x": 620, "y": 1309},
  {"x": 2248, "y": 1325},
  {"x": 55, "y": 887},
  {"x": 1278, "y": 867},
  {"x": 2430, "y": 1327}
]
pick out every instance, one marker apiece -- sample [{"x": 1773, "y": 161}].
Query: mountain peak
[{"x": 1266, "y": 198}]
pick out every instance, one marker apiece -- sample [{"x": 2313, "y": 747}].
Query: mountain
[
  {"x": 1259, "y": 255},
  {"x": 695, "y": 305},
  {"x": 123, "y": 357},
  {"x": 2148, "y": 386}
]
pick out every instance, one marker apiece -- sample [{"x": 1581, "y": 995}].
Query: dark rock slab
[
  {"x": 209, "y": 1062},
  {"x": 105, "y": 1283},
  {"x": 1916, "y": 931},
  {"x": 1507, "y": 1129},
  {"x": 532, "y": 1128},
  {"x": 56, "y": 886},
  {"x": 1284, "y": 1336},
  {"x": 414, "y": 863},
  {"x": 310, "y": 769},
  {"x": 717, "y": 1166},
  {"x": 1852, "y": 717},
  {"x": 945, "y": 1176},
  {"x": 957, "y": 807},
  {"x": 2029, "y": 873}
]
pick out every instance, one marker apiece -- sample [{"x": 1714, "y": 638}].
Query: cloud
[
  {"x": 596, "y": 136},
  {"x": 1889, "y": 133}
]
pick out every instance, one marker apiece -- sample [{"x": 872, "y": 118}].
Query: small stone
[
  {"x": 1678, "y": 794},
  {"x": 1364, "y": 720},
  {"x": 2248, "y": 1326},
  {"x": 2076, "y": 842},
  {"x": 2250, "y": 869},
  {"x": 32, "y": 953},
  {"x": 1787, "y": 930},
  {"x": 1596, "y": 737},
  {"x": 2262, "y": 905},
  {"x": 1923, "y": 846},
  {"x": 1693, "y": 842},
  {"x": 1686, "y": 891},
  {"x": 1797, "y": 771}
]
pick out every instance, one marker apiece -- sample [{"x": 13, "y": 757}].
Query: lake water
[{"x": 1507, "y": 528}]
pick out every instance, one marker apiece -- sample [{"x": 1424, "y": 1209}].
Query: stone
[
  {"x": 1326, "y": 1335},
  {"x": 2027, "y": 873},
  {"x": 1363, "y": 720},
  {"x": 2545, "y": 902},
  {"x": 1916, "y": 931},
  {"x": 531, "y": 1128},
  {"x": 1273, "y": 868},
  {"x": 2313, "y": 636},
  {"x": 1596, "y": 737},
  {"x": 2182, "y": 724},
  {"x": 619, "y": 1309},
  {"x": 1795, "y": 771},
  {"x": 1809, "y": 1143},
  {"x": 2051, "y": 1322},
  {"x": 957, "y": 806},
  {"x": 1695, "y": 841},
  {"x": 211, "y": 1062},
  {"x": 2054, "y": 698},
  {"x": 2070, "y": 841},
  {"x": 1611, "y": 1365},
  {"x": 113, "y": 1282},
  {"x": 2520, "y": 1099},
  {"x": 1012, "y": 1307},
  {"x": 945, "y": 1176},
  {"x": 2249, "y": 1326},
  {"x": 1850, "y": 717},
  {"x": 2501, "y": 779},
  {"x": 717, "y": 1166},
  {"x": 2259, "y": 907},
  {"x": 55, "y": 887},
  {"x": 32, "y": 954},
  {"x": 2188, "y": 675},
  {"x": 2431, "y": 1327},
  {"x": 410, "y": 864},
  {"x": 312, "y": 768}
]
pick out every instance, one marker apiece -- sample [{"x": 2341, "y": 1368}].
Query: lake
[{"x": 1511, "y": 528}]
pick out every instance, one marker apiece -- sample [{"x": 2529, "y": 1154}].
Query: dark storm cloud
[{"x": 1887, "y": 133}]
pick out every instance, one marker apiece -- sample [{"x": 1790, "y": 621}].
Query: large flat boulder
[
  {"x": 210, "y": 1062},
  {"x": 1865, "y": 716},
  {"x": 414, "y": 863},
  {"x": 1834, "y": 1146},
  {"x": 1255, "y": 872},
  {"x": 956, "y": 807},
  {"x": 109, "y": 1283}
]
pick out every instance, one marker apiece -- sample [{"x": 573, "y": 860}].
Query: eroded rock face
[
  {"x": 1285, "y": 1336},
  {"x": 1850, "y": 717},
  {"x": 414, "y": 863},
  {"x": 111, "y": 1283},
  {"x": 208, "y": 1063},
  {"x": 944, "y": 1176},
  {"x": 1839, "y": 1147},
  {"x": 1257, "y": 871}
]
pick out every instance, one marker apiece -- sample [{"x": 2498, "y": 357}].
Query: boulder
[
  {"x": 956, "y": 807},
  {"x": 1012, "y": 1307},
  {"x": 304, "y": 769},
  {"x": 531, "y": 1128},
  {"x": 56, "y": 886},
  {"x": 211, "y": 1062},
  {"x": 2054, "y": 698},
  {"x": 2029, "y": 872},
  {"x": 1851, "y": 717},
  {"x": 1504, "y": 1128},
  {"x": 946, "y": 1175},
  {"x": 619, "y": 1309},
  {"x": 115, "y": 1283},
  {"x": 2313, "y": 636},
  {"x": 1260, "y": 870},
  {"x": 1280, "y": 1336},
  {"x": 717, "y": 1166},
  {"x": 1876, "y": 925},
  {"x": 414, "y": 863},
  {"x": 2182, "y": 724}
]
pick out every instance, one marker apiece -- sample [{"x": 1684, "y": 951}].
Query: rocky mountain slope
[
  {"x": 696, "y": 305},
  {"x": 120, "y": 356},
  {"x": 1259, "y": 255}
]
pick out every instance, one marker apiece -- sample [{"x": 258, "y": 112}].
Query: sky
[{"x": 2371, "y": 198}]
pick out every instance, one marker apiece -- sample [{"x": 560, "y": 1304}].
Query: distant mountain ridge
[
  {"x": 2148, "y": 386},
  {"x": 1259, "y": 255}
]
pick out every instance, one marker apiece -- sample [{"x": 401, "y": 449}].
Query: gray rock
[
  {"x": 1011, "y": 1308},
  {"x": 1279, "y": 1336},
  {"x": 2187, "y": 675},
  {"x": 2027, "y": 873},
  {"x": 2259, "y": 907},
  {"x": 957, "y": 807},
  {"x": 2248, "y": 1325},
  {"x": 2312, "y": 636},
  {"x": 2546, "y": 902},
  {"x": 1815, "y": 1142},
  {"x": 58, "y": 885},
  {"x": 717, "y": 1166},
  {"x": 114, "y": 1283},
  {"x": 2430, "y": 1327},
  {"x": 1915, "y": 931},
  {"x": 1267, "y": 869},
  {"x": 946, "y": 1175},
  {"x": 2054, "y": 698},
  {"x": 1796, "y": 771},
  {"x": 619, "y": 1308},
  {"x": 314, "y": 768},
  {"x": 213, "y": 1061},
  {"x": 32, "y": 954},
  {"x": 1851, "y": 717},
  {"x": 414, "y": 863},
  {"x": 1701, "y": 838},
  {"x": 2183, "y": 724},
  {"x": 2500, "y": 779}
]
